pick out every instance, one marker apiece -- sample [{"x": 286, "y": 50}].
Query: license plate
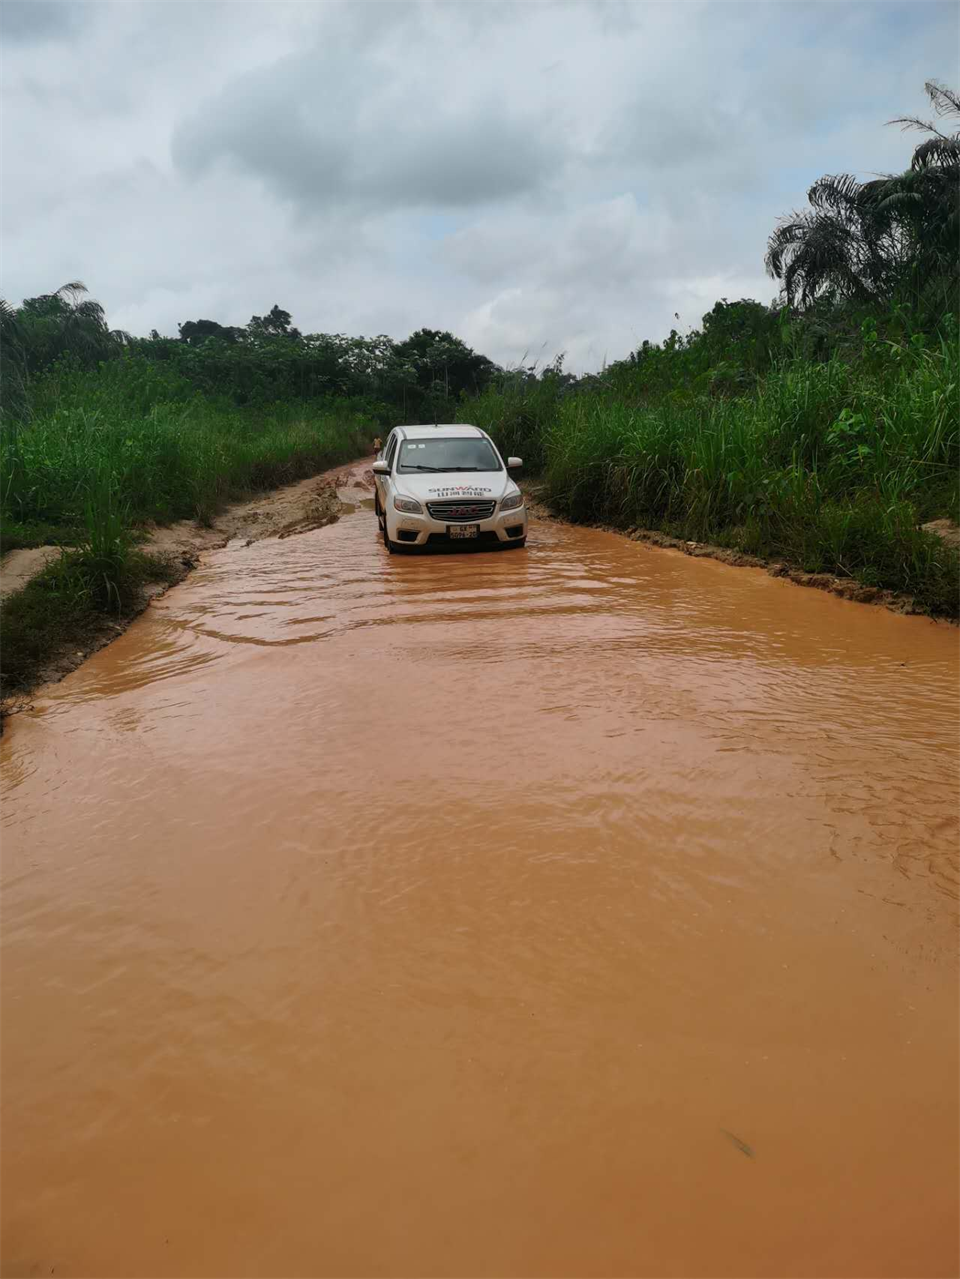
[{"x": 463, "y": 530}]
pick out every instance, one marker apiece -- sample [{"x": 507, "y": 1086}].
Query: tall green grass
[
  {"x": 831, "y": 465},
  {"x": 132, "y": 442}
]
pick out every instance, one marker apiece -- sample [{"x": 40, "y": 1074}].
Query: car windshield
[{"x": 448, "y": 453}]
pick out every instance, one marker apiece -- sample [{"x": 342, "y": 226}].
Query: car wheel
[{"x": 386, "y": 538}]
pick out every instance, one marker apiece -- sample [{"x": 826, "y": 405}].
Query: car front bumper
[{"x": 503, "y": 528}]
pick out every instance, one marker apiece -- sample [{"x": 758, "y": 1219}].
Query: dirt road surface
[{"x": 581, "y": 910}]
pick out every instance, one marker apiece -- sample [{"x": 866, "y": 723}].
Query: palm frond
[
  {"x": 837, "y": 191},
  {"x": 908, "y": 122},
  {"x": 71, "y": 292},
  {"x": 937, "y": 151},
  {"x": 944, "y": 101}
]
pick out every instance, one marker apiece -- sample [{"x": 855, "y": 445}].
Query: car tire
[{"x": 386, "y": 538}]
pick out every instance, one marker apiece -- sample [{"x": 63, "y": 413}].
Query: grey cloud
[
  {"x": 458, "y": 163},
  {"x": 29, "y": 21},
  {"x": 318, "y": 136},
  {"x": 260, "y": 125}
]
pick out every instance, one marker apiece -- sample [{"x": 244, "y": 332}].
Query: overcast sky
[{"x": 534, "y": 177}]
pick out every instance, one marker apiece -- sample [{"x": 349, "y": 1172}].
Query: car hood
[{"x": 426, "y": 487}]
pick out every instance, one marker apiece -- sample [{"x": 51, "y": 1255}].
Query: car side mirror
[
  {"x": 514, "y": 462},
  {"x": 381, "y": 468}
]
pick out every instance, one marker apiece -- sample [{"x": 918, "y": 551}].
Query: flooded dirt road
[{"x": 588, "y": 910}]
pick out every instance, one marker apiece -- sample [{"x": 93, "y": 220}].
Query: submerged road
[{"x": 583, "y": 910}]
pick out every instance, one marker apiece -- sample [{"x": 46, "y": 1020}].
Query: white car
[{"x": 443, "y": 485}]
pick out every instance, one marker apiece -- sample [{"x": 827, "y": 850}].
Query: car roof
[{"x": 462, "y": 429}]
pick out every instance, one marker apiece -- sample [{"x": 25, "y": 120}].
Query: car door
[{"x": 383, "y": 481}]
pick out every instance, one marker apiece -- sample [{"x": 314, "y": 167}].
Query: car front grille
[{"x": 466, "y": 511}]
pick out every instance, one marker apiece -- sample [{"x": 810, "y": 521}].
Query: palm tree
[
  {"x": 926, "y": 199},
  {"x": 67, "y": 322},
  {"x": 865, "y": 240}
]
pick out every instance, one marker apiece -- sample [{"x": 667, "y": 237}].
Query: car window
[
  {"x": 391, "y": 449},
  {"x": 448, "y": 453}
]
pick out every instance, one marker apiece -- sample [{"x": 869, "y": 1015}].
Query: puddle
[{"x": 584, "y": 910}]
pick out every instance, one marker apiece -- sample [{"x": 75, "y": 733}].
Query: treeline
[{"x": 269, "y": 361}]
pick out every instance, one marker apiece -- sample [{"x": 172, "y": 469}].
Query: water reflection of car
[{"x": 447, "y": 485}]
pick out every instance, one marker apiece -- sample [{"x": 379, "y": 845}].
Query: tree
[
  {"x": 67, "y": 322},
  {"x": 276, "y": 323},
  {"x": 839, "y": 247},
  {"x": 440, "y": 358},
  {"x": 196, "y": 332},
  {"x": 926, "y": 199},
  {"x": 866, "y": 240}
]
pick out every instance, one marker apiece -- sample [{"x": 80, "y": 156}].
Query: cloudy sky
[{"x": 536, "y": 177}]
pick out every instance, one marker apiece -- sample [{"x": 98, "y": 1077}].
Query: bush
[{"x": 150, "y": 448}]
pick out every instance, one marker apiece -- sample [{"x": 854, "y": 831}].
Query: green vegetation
[
  {"x": 822, "y": 429},
  {"x": 134, "y": 437}
]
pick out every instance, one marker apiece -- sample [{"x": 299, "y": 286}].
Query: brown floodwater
[{"x": 588, "y": 910}]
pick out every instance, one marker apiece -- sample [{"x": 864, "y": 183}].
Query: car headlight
[
  {"x": 407, "y": 504},
  {"x": 512, "y": 502}
]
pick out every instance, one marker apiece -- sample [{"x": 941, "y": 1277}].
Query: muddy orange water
[{"x": 588, "y": 910}]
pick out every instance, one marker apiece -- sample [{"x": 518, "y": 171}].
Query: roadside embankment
[{"x": 847, "y": 588}]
